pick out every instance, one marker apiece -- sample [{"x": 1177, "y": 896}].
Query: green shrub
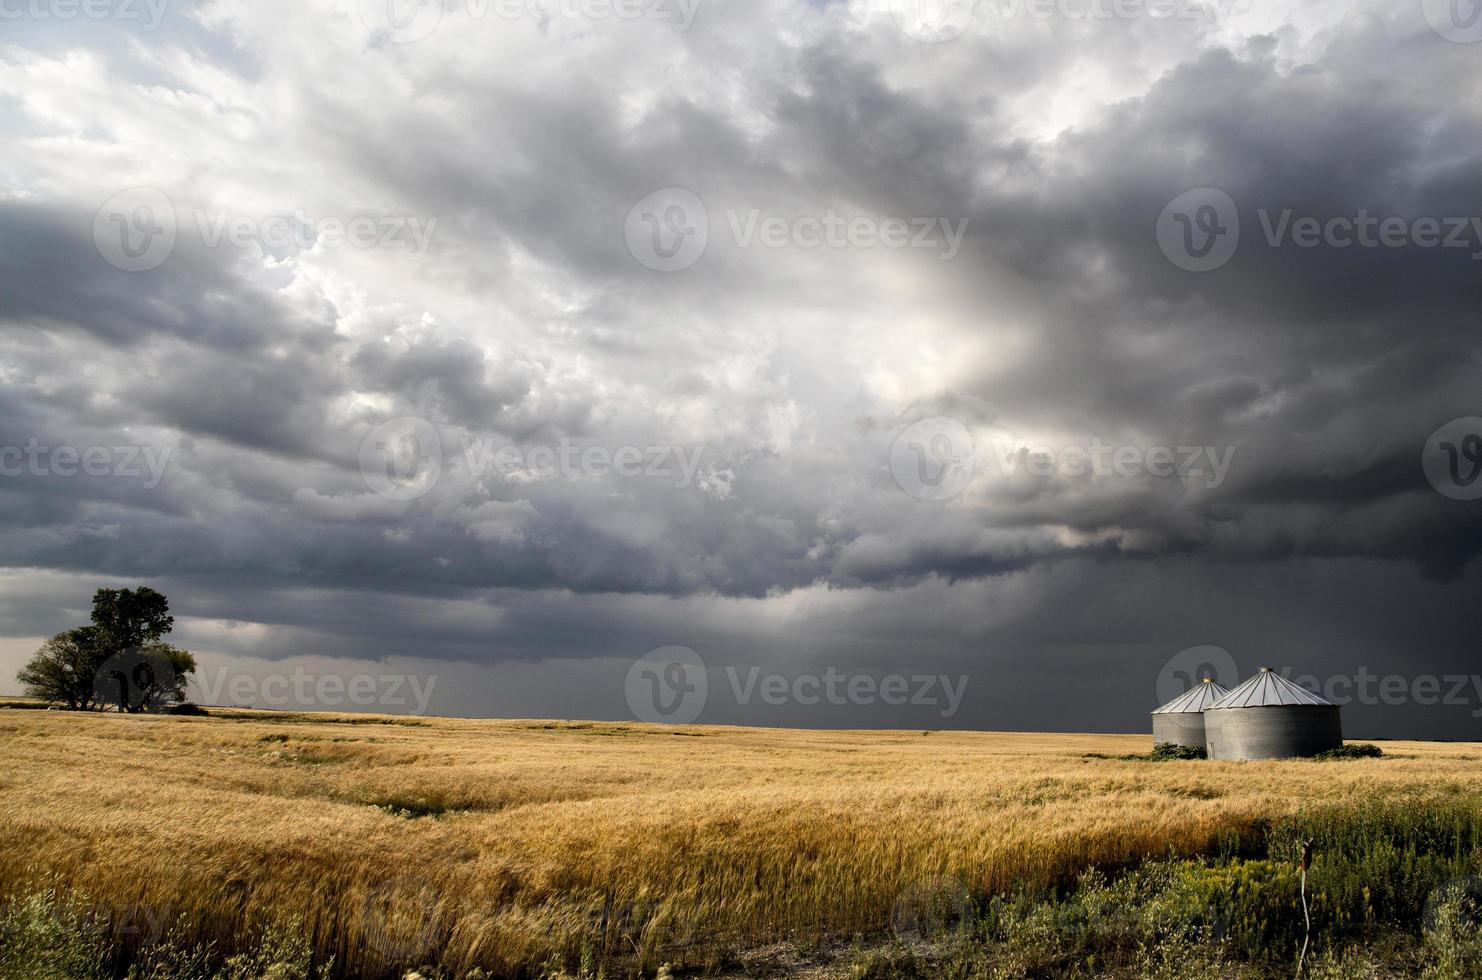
[
  {"x": 1380, "y": 871},
  {"x": 892, "y": 962},
  {"x": 43, "y": 937},
  {"x": 1172, "y": 751},
  {"x": 1355, "y": 751},
  {"x": 1453, "y": 936},
  {"x": 48, "y": 935}
]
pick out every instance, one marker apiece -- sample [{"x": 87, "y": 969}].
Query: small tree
[
  {"x": 119, "y": 660},
  {"x": 62, "y": 670}
]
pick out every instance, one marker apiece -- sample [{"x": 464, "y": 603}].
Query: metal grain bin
[
  {"x": 1269, "y": 717},
  {"x": 1181, "y": 721}
]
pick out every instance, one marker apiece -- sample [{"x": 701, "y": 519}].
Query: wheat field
[{"x": 515, "y": 845}]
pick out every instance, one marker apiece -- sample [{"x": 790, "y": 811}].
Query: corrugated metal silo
[
  {"x": 1269, "y": 717},
  {"x": 1181, "y": 721}
]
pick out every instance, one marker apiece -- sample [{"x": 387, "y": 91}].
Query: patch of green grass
[
  {"x": 306, "y": 757},
  {"x": 1355, "y": 751},
  {"x": 44, "y": 937},
  {"x": 1391, "y": 893},
  {"x": 46, "y": 934},
  {"x": 412, "y": 807},
  {"x": 277, "y": 953},
  {"x": 433, "y": 803}
]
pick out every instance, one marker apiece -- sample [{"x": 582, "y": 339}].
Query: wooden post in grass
[{"x": 1306, "y": 918}]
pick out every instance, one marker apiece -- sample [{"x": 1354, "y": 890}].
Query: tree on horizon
[{"x": 120, "y": 659}]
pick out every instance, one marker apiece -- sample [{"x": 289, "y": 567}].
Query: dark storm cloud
[
  {"x": 454, "y": 376},
  {"x": 1326, "y": 368},
  {"x": 53, "y": 276},
  {"x": 1314, "y": 375}
]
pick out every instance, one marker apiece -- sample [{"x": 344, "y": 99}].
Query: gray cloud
[{"x": 1317, "y": 374}]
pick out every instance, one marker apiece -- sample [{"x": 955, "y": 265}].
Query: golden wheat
[{"x": 510, "y": 844}]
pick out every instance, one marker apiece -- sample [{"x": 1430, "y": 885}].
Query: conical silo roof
[
  {"x": 1268, "y": 689},
  {"x": 1194, "y": 700}
]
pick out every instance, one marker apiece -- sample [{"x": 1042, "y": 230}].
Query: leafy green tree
[
  {"x": 145, "y": 678},
  {"x": 131, "y": 617},
  {"x": 120, "y": 660},
  {"x": 62, "y": 670}
]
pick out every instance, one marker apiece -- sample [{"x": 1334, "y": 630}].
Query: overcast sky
[{"x": 957, "y": 366}]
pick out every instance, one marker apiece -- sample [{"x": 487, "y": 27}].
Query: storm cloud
[{"x": 532, "y": 337}]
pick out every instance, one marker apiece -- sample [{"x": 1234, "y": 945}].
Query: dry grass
[{"x": 515, "y": 844}]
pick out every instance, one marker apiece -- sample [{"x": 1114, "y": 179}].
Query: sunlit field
[{"x": 523, "y": 847}]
